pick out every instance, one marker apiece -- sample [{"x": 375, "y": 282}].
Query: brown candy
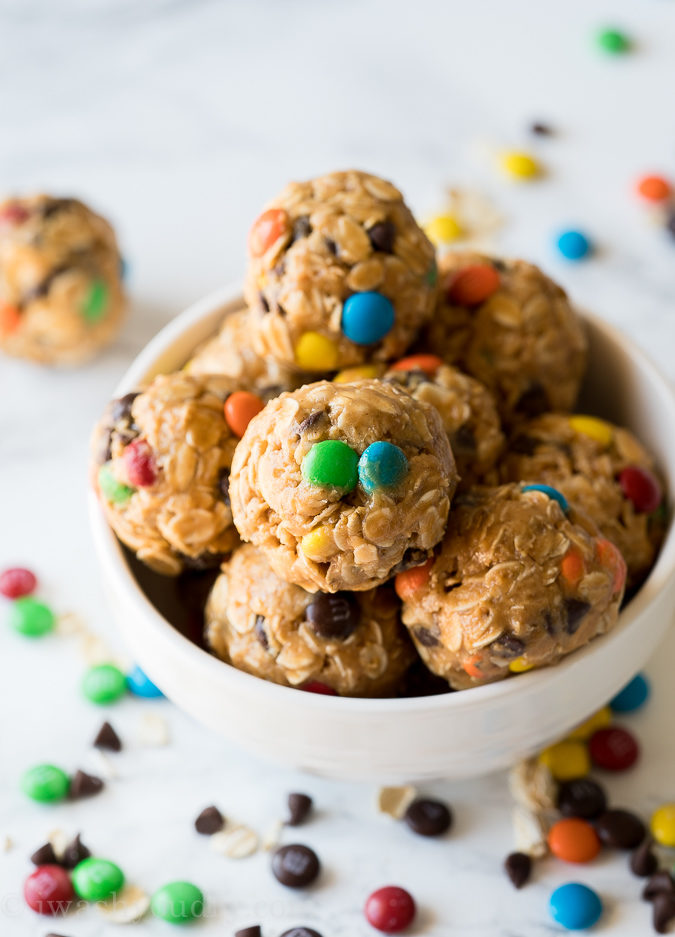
[
  {"x": 518, "y": 867},
  {"x": 295, "y": 866},
  {"x": 299, "y": 808},
  {"x": 209, "y": 821},
  {"x": 620, "y": 829},
  {"x": 428, "y": 817}
]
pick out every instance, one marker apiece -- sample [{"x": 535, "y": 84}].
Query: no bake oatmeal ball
[
  {"x": 520, "y": 579},
  {"x": 353, "y": 643},
  {"x": 603, "y": 470},
  {"x": 339, "y": 273},
  {"x": 342, "y": 485},
  {"x": 163, "y": 460},
  {"x": 61, "y": 296},
  {"x": 511, "y": 327}
]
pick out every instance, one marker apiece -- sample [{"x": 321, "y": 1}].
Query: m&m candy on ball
[
  {"x": 382, "y": 465},
  {"x": 367, "y": 317}
]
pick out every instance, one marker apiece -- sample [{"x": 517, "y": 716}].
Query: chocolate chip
[
  {"x": 643, "y": 862},
  {"x": 533, "y": 401},
  {"x": 45, "y": 855},
  {"x": 260, "y": 633},
  {"x": 120, "y": 409},
  {"x": 301, "y": 932},
  {"x": 464, "y": 441},
  {"x": 659, "y": 883},
  {"x": 254, "y": 931},
  {"x": 620, "y": 829},
  {"x": 426, "y": 637},
  {"x": 84, "y": 785},
  {"x": 262, "y": 299},
  {"x": 382, "y": 236},
  {"x": 74, "y": 852},
  {"x": 582, "y": 797},
  {"x": 209, "y": 821},
  {"x": 108, "y": 739},
  {"x": 518, "y": 867},
  {"x": 55, "y": 205},
  {"x": 299, "y": 808},
  {"x": 575, "y": 611},
  {"x": 499, "y": 264},
  {"x": 301, "y": 228},
  {"x": 413, "y": 556},
  {"x": 524, "y": 445},
  {"x": 332, "y": 246},
  {"x": 663, "y": 912},
  {"x": 295, "y": 866},
  {"x": 43, "y": 287},
  {"x": 508, "y": 645},
  {"x": 311, "y": 421},
  {"x": 52, "y": 934},
  {"x": 541, "y": 130},
  {"x": 428, "y": 817},
  {"x": 224, "y": 486},
  {"x": 334, "y": 615}
]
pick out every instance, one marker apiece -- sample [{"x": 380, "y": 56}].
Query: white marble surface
[{"x": 178, "y": 119}]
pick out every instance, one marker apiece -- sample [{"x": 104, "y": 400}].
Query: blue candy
[
  {"x": 382, "y": 465},
  {"x": 634, "y": 695},
  {"x": 575, "y": 906},
  {"x": 552, "y": 493},
  {"x": 574, "y": 245},
  {"x": 141, "y": 685},
  {"x": 367, "y": 317}
]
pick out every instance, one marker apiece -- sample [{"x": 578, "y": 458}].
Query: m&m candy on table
[
  {"x": 104, "y": 683},
  {"x": 140, "y": 684},
  {"x": 566, "y": 760},
  {"x": 17, "y": 582},
  {"x": 178, "y": 902},
  {"x": 31, "y": 618},
  {"x": 613, "y": 749},
  {"x": 599, "y": 720},
  {"x": 662, "y": 825},
  {"x": 390, "y": 909},
  {"x": 45, "y": 783},
  {"x": 519, "y": 165},
  {"x": 620, "y": 829},
  {"x": 573, "y": 840},
  {"x": 382, "y": 465},
  {"x": 575, "y": 906},
  {"x": 367, "y": 317},
  {"x": 573, "y": 245},
  {"x": 654, "y": 188},
  {"x": 634, "y": 695},
  {"x": 331, "y": 463},
  {"x": 97, "y": 879},
  {"x": 581, "y": 797},
  {"x": 442, "y": 229},
  {"x": 48, "y": 890},
  {"x": 613, "y": 41}
]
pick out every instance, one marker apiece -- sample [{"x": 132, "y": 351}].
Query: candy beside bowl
[{"x": 452, "y": 735}]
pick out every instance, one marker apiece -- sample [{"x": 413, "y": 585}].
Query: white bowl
[{"x": 452, "y": 735}]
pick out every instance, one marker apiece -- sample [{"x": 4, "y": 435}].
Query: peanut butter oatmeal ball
[
  {"x": 339, "y": 273},
  {"x": 511, "y": 327},
  {"x": 163, "y": 460},
  {"x": 466, "y": 407},
  {"x": 61, "y": 295},
  {"x": 343, "y": 485},
  {"x": 353, "y": 643},
  {"x": 520, "y": 579},
  {"x": 604, "y": 471}
]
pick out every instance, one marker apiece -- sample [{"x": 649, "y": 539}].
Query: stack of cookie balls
[{"x": 380, "y": 454}]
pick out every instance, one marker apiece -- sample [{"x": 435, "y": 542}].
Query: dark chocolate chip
[
  {"x": 311, "y": 421},
  {"x": 382, "y": 236},
  {"x": 428, "y": 817},
  {"x": 262, "y": 299},
  {"x": 75, "y": 852},
  {"x": 425, "y": 637},
  {"x": 575, "y": 612},
  {"x": 334, "y": 615},
  {"x": 224, "y": 486},
  {"x": 413, "y": 556},
  {"x": 301, "y": 932},
  {"x": 260, "y": 633},
  {"x": 518, "y": 867},
  {"x": 45, "y": 855},
  {"x": 270, "y": 392},
  {"x": 84, "y": 785},
  {"x": 463, "y": 441},
  {"x": 295, "y": 866},
  {"x": 524, "y": 445},
  {"x": 549, "y": 623},
  {"x": 55, "y": 205},
  {"x": 582, "y": 797},
  {"x": 643, "y": 862},
  {"x": 620, "y": 829},
  {"x": 108, "y": 739},
  {"x": 332, "y": 246},
  {"x": 301, "y": 228},
  {"x": 121, "y": 408},
  {"x": 659, "y": 883},
  {"x": 499, "y": 264},
  {"x": 663, "y": 912},
  {"x": 541, "y": 129},
  {"x": 299, "y": 808},
  {"x": 508, "y": 645},
  {"x": 533, "y": 401},
  {"x": 52, "y": 934},
  {"x": 209, "y": 821},
  {"x": 254, "y": 931}
]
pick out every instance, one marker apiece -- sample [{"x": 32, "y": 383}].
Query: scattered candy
[
  {"x": 85, "y": 785},
  {"x": 582, "y": 797},
  {"x": 641, "y": 487},
  {"x": 300, "y": 932},
  {"x": 620, "y": 829},
  {"x": 299, "y": 808},
  {"x": 140, "y": 684},
  {"x": 266, "y": 231},
  {"x": 254, "y": 931},
  {"x": 654, "y": 188},
  {"x": 613, "y": 749},
  {"x": 662, "y": 825},
  {"x": 599, "y": 720},
  {"x": 153, "y": 730},
  {"x": 634, "y": 695},
  {"x": 541, "y": 129},
  {"x": 566, "y": 760},
  {"x": 31, "y": 618},
  {"x": 575, "y": 906},
  {"x": 518, "y": 867},
  {"x": 209, "y": 821},
  {"x": 126, "y": 907},
  {"x": 315, "y": 352},
  {"x": 573, "y": 245},
  {"x": 315, "y": 686},
  {"x": 364, "y": 372},
  {"x": 139, "y": 463},
  {"x": 178, "y": 902},
  {"x": 443, "y": 229},
  {"x": 107, "y": 739},
  {"x": 660, "y": 883},
  {"x": 333, "y": 616},
  {"x": 95, "y": 302},
  {"x": 551, "y": 493},
  {"x": 73, "y": 853},
  {"x": 104, "y": 684},
  {"x": 473, "y": 285},
  {"x": 573, "y": 840},
  {"x": 519, "y": 165},
  {"x": 45, "y": 855},
  {"x": 295, "y": 866},
  {"x": 45, "y": 783},
  {"x": 331, "y": 463},
  {"x": 113, "y": 491},
  {"x": 17, "y": 582},
  {"x": 409, "y": 581},
  {"x": 427, "y": 363},
  {"x": 390, "y": 909},
  {"x": 236, "y": 841},
  {"x": 663, "y": 912},
  {"x": 394, "y": 801},
  {"x": 428, "y": 817},
  {"x": 643, "y": 862},
  {"x": 367, "y": 317},
  {"x": 48, "y": 890},
  {"x": 97, "y": 879},
  {"x": 613, "y": 41},
  {"x": 240, "y": 408},
  {"x": 382, "y": 465}
]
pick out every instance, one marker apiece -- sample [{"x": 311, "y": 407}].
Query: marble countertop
[{"x": 179, "y": 119}]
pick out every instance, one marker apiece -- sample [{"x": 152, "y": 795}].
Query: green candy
[
  {"x": 613, "y": 41},
  {"x": 178, "y": 902},
  {"x": 112, "y": 490},
  {"x": 104, "y": 683},
  {"x": 97, "y": 879},
  {"x": 45, "y": 783},
  {"x": 331, "y": 464},
  {"x": 431, "y": 277},
  {"x": 95, "y": 302},
  {"x": 31, "y": 618}
]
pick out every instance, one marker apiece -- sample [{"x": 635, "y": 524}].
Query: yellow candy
[
  {"x": 315, "y": 352},
  {"x": 318, "y": 544},
  {"x": 362, "y": 373},
  {"x": 519, "y": 165},
  {"x": 520, "y": 665},
  {"x": 442, "y": 229},
  {"x": 566, "y": 760},
  {"x": 663, "y": 825},
  {"x": 591, "y": 426},
  {"x": 599, "y": 720}
]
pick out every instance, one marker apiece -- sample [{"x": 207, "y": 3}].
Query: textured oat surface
[
  {"x": 328, "y": 251},
  {"x": 365, "y": 538},
  {"x": 496, "y": 593},
  {"x": 53, "y": 252},
  {"x": 259, "y": 623}
]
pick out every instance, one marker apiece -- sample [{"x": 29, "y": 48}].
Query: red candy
[
  {"x": 48, "y": 890},
  {"x": 314, "y": 686},
  {"x": 473, "y": 285},
  {"x": 641, "y": 487},
  {"x": 17, "y": 582},
  {"x": 266, "y": 229},
  {"x": 427, "y": 363},
  {"x": 140, "y": 464},
  {"x": 13, "y": 213},
  {"x": 10, "y": 318},
  {"x": 390, "y": 909},
  {"x": 613, "y": 749}
]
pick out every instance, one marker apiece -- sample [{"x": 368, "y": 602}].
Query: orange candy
[
  {"x": 573, "y": 840},
  {"x": 266, "y": 229},
  {"x": 9, "y": 318},
  {"x": 471, "y": 667},
  {"x": 610, "y": 557},
  {"x": 572, "y": 566},
  {"x": 240, "y": 408},
  {"x": 408, "y": 582},
  {"x": 427, "y": 363},
  {"x": 654, "y": 188},
  {"x": 473, "y": 285}
]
